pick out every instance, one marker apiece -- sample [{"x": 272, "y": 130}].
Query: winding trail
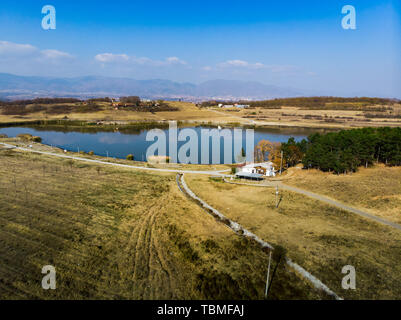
[
  {"x": 217, "y": 173},
  {"x": 323, "y": 199},
  {"x": 224, "y": 175},
  {"x": 238, "y": 229}
]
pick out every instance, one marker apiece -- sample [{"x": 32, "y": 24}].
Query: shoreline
[
  {"x": 149, "y": 124},
  {"x": 41, "y": 147}
]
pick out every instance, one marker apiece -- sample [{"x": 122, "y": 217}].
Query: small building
[
  {"x": 250, "y": 176},
  {"x": 228, "y": 106},
  {"x": 242, "y": 106},
  {"x": 264, "y": 168}
]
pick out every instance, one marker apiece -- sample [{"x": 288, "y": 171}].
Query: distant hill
[{"x": 26, "y": 87}]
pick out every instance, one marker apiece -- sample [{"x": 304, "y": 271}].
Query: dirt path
[
  {"x": 238, "y": 229},
  {"x": 243, "y": 120},
  {"x": 216, "y": 173},
  {"x": 323, "y": 199},
  {"x": 220, "y": 173}
]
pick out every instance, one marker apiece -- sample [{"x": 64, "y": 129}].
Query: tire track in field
[
  {"x": 145, "y": 251},
  {"x": 152, "y": 272},
  {"x": 163, "y": 275},
  {"x": 141, "y": 240}
]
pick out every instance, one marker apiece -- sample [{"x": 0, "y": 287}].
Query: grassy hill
[
  {"x": 319, "y": 237},
  {"x": 115, "y": 233}
]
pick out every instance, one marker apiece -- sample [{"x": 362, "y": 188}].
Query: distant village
[{"x": 236, "y": 105}]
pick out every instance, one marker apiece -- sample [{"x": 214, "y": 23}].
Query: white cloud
[
  {"x": 20, "y": 58},
  {"x": 144, "y": 61},
  {"x": 174, "y": 60},
  {"x": 237, "y": 65},
  {"x": 55, "y": 54},
  {"x": 16, "y": 49},
  {"x": 241, "y": 64},
  {"x": 11, "y": 51},
  {"x": 110, "y": 57}
]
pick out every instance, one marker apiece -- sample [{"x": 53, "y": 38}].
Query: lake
[{"x": 118, "y": 145}]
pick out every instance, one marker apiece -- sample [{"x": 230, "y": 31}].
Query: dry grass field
[
  {"x": 189, "y": 112},
  {"x": 186, "y": 112},
  {"x": 319, "y": 237},
  {"x": 116, "y": 233},
  {"x": 376, "y": 190},
  {"x": 298, "y": 117}
]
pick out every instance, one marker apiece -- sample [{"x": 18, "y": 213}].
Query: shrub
[
  {"x": 130, "y": 157},
  {"x": 35, "y": 108},
  {"x": 41, "y": 101},
  {"x": 214, "y": 285},
  {"x": 91, "y": 153},
  {"x": 88, "y": 108},
  {"x": 14, "y": 110},
  {"x": 29, "y": 137},
  {"x": 210, "y": 245},
  {"x": 59, "y": 109}
]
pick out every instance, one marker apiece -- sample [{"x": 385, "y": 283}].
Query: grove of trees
[
  {"x": 346, "y": 150},
  {"x": 320, "y": 102},
  {"x": 39, "y": 101},
  {"x": 271, "y": 151}
]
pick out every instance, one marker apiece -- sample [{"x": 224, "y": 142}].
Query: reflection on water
[{"x": 119, "y": 145}]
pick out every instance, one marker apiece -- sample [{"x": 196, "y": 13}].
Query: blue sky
[{"x": 296, "y": 44}]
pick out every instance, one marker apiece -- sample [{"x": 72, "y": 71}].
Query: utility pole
[
  {"x": 78, "y": 149},
  {"x": 277, "y": 193},
  {"x": 107, "y": 154},
  {"x": 268, "y": 273},
  {"x": 281, "y": 164},
  {"x": 274, "y": 273}
]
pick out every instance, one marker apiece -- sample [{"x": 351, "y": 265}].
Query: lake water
[{"x": 119, "y": 145}]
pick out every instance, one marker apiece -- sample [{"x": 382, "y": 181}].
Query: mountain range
[{"x": 26, "y": 87}]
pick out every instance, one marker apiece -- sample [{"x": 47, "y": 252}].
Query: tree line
[
  {"x": 321, "y": 102},
  {"x": 70, "y": 105},
  {"x": 336, "y": 103},
  {"x": 39, "y": 101},
  {"x": 346, "y": 150}
]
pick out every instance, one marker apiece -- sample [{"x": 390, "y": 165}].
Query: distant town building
[{"x": 241, "y": 106}]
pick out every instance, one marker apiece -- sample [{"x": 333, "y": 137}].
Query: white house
[{"x": 265, "y": 168}]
